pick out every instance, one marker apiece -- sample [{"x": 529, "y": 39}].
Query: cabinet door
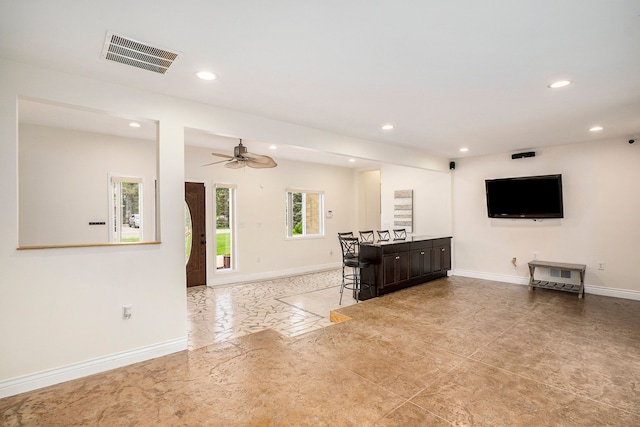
[
  {"x": 416, "y": 262},
  {"x": 402, "y": 266},
  {"x": 437, "y": 258},
  {"x": 389, "y": 269},
  {"x": 441, "y": 258},
  {"x": 446, "y": 258},
  {"x": 421, "y": 262},
  {"x": 427, "y": 261}
]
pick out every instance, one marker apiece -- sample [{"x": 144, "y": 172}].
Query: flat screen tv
[{"x": 525, "y": 197}]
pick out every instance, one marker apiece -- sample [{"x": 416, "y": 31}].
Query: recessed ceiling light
[
  {"x": 464, "y": 150},
  {"x": 387, "y": 127},
  {"x": 596, "y": 129},
  {"x": 352, "y": 160},
  {"x": 206, "y": 75},
  {"x": 559, "y": 84},
  {"x": 134, "y": 125},
  {"x": 272, "y": 147}
]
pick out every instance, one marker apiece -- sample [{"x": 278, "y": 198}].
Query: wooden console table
[{"x": 561, "y": 286}]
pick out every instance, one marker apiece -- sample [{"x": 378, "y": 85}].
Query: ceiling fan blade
[
  {"x": 253, "y": 156},
  {"x": 235, "y": 164},
  {"x": 260, "y": 158},
  {"x": 219, "y": 161},
  {"x": 270, "y": 163},
  {"x": 222, "y": 155}
]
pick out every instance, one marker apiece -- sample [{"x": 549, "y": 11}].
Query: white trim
[
  {"x": 233, "y": 227},
  {"x": 612, "y": 292},
  {"x": 288, "y": 221},
  {"x": 53, "y": 376},
  {"x": 520, "y": 280},
  {"x": 267, "y": 275},
  {"x": 116, "y": 235},
  {"x": 516, "y": 280}
]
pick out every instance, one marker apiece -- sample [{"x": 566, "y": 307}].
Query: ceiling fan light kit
[{"x": 241, "y": 158}]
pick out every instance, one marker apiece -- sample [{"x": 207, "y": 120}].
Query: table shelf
[
  {"x": 569, "y": 287},
  {"x": 560, "y": 286}
]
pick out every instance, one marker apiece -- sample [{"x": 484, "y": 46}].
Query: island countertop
[{"x": 410, "y": 238}]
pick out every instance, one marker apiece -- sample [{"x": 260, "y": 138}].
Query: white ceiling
[{"x": 446, "y": 74}]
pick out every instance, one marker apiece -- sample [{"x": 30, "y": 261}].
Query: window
[
  {"x": 304, "y": 213},
  {"x": 126, "y": 197},
  {"x": 224, "y": 226},
  {"x": 188, "y": 233}
]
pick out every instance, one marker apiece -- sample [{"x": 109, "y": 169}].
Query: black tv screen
[{"x": 525, "y": 197}]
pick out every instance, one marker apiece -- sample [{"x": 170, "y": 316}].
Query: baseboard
[
  {"x": 520, "y": 280},
  {"x": 516, "y": 280},
  {"x": 74, "y": 371},
  {"x": 228, "y": 278},
  {"x": 612, "y": 292}
]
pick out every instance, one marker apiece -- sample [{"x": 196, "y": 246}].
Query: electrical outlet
[
  {"x": 600, "y": 265},
  {"x": 535, "y": 255},
  {"x": 330, "y": 252},
  {"x": 126, "y": 312}
]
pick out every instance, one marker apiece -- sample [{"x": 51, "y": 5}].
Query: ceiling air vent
[{"x": 137, "y": 54}]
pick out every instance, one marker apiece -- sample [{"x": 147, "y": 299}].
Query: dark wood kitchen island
[{"x": 399, "y": 264}]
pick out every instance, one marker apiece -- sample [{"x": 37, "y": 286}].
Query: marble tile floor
[
  {"x": 291, "y": 306},
  {"x": 456, "y": 351}
]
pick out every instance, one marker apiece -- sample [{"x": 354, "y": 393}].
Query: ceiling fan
[{"x": 241, "y": 158}]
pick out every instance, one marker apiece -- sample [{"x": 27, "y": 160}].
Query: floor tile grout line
[
  {"x": 308, "y": 292},
  {"x": 417, "y": 406},
  {"x": 555, "y": 387},
  {"x": 469, "y": 358},
  {"x": 472, "y": 357},
  {"x": 435, "y": 380},
  {"x": 272, "y": 289},
  {"x": 494, "y": 339},
  {"x": 513, "y": 325},
  {"x": 298, "y": 308},
  {"x": 273, "y": 279}
]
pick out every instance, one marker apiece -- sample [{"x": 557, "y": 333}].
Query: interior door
[{"x": 197, "y": 262}]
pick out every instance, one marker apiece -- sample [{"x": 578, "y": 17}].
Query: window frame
[
  {"x": 233, "y": 190},
  {"x": 115, "y": 211},
  {"x": 288, "y": 196}
]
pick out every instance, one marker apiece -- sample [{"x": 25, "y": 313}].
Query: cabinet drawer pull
[
  {"x": 398, "y": 257},
  {"x": 422, "y": 253},
  {"x": 442, "y": 249}
]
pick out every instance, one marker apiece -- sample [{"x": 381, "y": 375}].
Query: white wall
[
  {"x": 60, "y": 195},
  {"x": 601, "y": 207},
  {"x": 431, "y": 198},
  {"x": 263, "y": 249},
  {"x": 60, "y": 309},
  {"x": 369, "y": 200}
]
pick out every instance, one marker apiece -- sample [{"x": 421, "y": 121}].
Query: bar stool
[
  {"x": 340, "y": 236},
  {"x": 350, "y": 259},
  {"x": 399, "y": 234},
  {"x": 383, "y": 236},
  {"x": 366, "y": 236}
]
